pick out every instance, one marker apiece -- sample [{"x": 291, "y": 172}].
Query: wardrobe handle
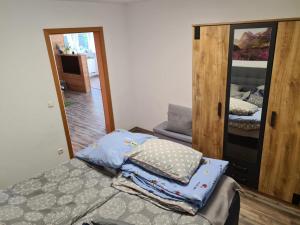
[
  {"x": 220, "y": 109},
  {"x": 273, "y": 119}
]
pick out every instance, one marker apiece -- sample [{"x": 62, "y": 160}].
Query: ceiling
[{"x": 111, "y": 1}]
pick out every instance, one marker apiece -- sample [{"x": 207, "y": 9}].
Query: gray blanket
[
  {"x": 57, "y": 197},
  {"x": 74, "y": 193},
  {"x": 102, "y": 221},
  {"x": 140, "y": 209},
  {"x": 134, "y": 210},
  {"x": 215, "y": 212}
]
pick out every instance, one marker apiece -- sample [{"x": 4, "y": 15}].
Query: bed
[{"x": 78, "y": 192}]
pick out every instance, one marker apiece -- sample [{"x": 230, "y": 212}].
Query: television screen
[{"x": 70, "y": 64}]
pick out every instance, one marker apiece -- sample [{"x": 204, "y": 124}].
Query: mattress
[{"x": 75, "y": 192}]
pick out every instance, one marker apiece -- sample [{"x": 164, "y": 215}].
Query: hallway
[{"x": 85, "y": 115}]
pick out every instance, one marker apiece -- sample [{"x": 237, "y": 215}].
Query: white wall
[
  {"x": 149, "y": 55},
  {"x": 30, "y": 132},
  {"x": 161, "y": 46}
]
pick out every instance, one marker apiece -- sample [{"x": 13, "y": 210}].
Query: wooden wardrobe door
[
  {"x": 210, "y": 59},
  {"x": 280, "y": 165}
]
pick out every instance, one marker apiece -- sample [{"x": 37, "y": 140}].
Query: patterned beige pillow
[
  {"x": 167, "y": 158},
  {"x": 240, "y": 107},
  {"x": 256, "y": 100}
]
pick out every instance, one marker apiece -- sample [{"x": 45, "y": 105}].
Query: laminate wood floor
[
  {"x": 95, "y": 83},
  {"x": 257, "y": 209},
  {"x": 85, "y": 117}
]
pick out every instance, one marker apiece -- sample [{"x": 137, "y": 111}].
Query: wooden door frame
[{"x": 103, "y": 76}]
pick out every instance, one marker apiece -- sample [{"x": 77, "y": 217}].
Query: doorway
[{"x": 79, "y": 67}]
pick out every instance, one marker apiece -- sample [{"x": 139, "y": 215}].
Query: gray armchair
[{"x": 178, "y": 128}]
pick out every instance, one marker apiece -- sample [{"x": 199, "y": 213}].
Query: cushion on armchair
[
  {"x": 162, "y": 132},
  {"x": 180, "y": 119}
]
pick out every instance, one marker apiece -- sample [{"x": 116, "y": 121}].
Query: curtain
[
  {"x": 91, "y": 42},
  {"x": 73, "y": 40}
]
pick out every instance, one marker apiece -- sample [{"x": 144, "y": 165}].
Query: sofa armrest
[{"x": 161, "y": 130}]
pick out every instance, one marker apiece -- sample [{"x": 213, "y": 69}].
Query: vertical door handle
[
  {"x": 220, "y": 109},
  {"x": 273, "y": 119}
]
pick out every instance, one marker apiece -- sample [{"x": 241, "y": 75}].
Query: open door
[{"x": 103, "y": 75}]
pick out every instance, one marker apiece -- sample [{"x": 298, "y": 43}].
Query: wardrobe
[{"x": 257, "y": 62}]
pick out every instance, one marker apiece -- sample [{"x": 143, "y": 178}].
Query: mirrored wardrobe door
[{"x": 249, "y": 72}]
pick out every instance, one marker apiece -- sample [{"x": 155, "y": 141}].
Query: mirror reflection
[
  {"x": 248, "y": 74},
  {"x": 250, "y": 49}
]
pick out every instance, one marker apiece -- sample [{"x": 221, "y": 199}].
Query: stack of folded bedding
[
  {"x": 166, "y": 173},
  {"x": 171, "y": 175},
  {"x": 246, "y": 122}
]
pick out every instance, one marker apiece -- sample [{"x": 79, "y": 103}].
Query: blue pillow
[{"x": 110, "y": 150}]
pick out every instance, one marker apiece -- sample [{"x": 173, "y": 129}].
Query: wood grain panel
[
  {"x": 280, "y": 166},
  {"x": 210, "y": 59}
]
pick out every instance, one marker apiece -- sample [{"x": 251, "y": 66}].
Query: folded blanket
[
  {"x": 126, "y": 185},
  {"x": 103, "y": 221},
  {"x": 195, "y": 193},
  {"x": 245, "y": 126},
  {"x": 254, "y": 118},
  {"x": 215, "y": 211}
]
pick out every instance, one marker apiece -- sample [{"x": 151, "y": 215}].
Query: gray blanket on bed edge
[
  {"x": 59, "y": 196},
  {"x": 216, "y": 210},
  {"x": 103, "y": 221}
]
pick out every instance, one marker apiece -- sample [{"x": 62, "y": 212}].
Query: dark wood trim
[
  {"x": 103, "y": 75},
  {"x": 249, "y": 21}
]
